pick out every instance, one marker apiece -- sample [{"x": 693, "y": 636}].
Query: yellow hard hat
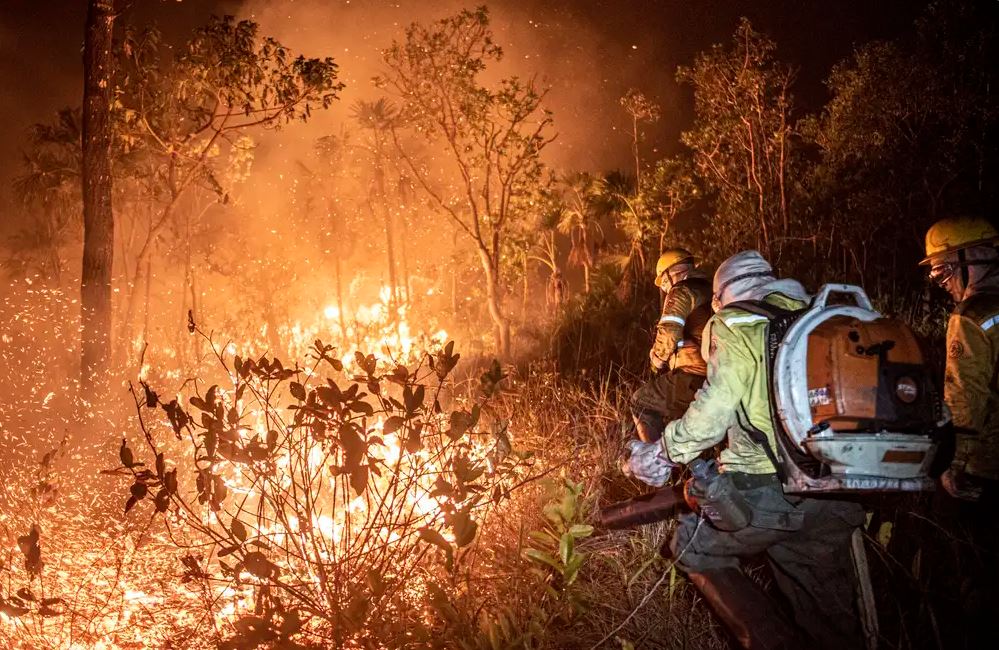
[
  {"x": 671, "y": 257},
  {"x": 957, "y": 233}
]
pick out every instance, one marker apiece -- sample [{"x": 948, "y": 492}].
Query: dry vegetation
[
  {"x": 472, "y": 555},
  {"x": 293, "y": 455}
]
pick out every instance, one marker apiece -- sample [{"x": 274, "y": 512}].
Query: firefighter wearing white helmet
[
  {"x": 963, "y": 259},
  {"x": 806, "y": 539},
  {"x": 676, "y": 353}
]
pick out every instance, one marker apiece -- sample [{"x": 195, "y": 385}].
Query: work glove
[
  {"x": 648, "y": 463},
  {"x": 656, "y": 361}
]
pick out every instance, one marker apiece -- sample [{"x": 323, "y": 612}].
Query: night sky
[{"x": 591, "y": 51}]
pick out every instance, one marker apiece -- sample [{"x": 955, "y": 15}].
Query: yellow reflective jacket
[
  {"x": 735, "y": 347},
  {"x": 686, "y": 310},
  {"x": 970, "y": 383}
]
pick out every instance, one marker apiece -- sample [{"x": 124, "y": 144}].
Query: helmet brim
[
  {"x": 930, "y": 259},
  {"x": 685, "y": 260}
]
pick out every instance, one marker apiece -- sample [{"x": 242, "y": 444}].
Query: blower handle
[{"x": 859, "y": 296}]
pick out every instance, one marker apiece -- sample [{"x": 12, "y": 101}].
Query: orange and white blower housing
[{"x": 853, "y": 399}]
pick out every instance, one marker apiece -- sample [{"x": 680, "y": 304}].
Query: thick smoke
[{"x": 549, "y": 42}]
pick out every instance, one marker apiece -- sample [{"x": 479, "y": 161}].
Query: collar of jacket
[{"x": 988, "y": 283}]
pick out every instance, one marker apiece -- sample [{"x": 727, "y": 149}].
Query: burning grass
[
  {"x": 334, "y": 505},
  {"x": 394, "y": 499},
  {"x": 333, "y": 500},
  {"x": 355, "y": 500}
]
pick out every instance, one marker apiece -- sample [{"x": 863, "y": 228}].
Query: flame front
[{"x": 297, "y": 506}]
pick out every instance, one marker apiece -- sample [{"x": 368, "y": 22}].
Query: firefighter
[
  {"x": 807, "y": 540},
  {"x": 676, "y": 353},
  {"x": 963, "y": 259}
]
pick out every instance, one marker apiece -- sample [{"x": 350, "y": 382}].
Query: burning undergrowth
[
  {"x": 317, "y": 502},
  {"x": 325, "y": 496},
  {"x": 391, "y": 498}
]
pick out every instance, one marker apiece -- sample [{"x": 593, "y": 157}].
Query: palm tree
[
  {"x": 379, "y": 118},
  {"x": 617, "y": 195},
  {"x": 580, "y": 220},
  {"x": 323, "y": 203}
]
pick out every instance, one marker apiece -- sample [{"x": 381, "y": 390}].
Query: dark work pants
[
  {"x": 808, "y": 546},
  {"x": 964, "y": 583},
  {"x": 662, "y": 399}
]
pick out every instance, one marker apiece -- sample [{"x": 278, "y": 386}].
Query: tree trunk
[
  {"x": 145, "y": 309},
  {"x": 523, "y": 300},
  {"x": 339, "y": 301},
  {"x": 634, "y": 152},
  {"x": 454, "y": 290},
  {"x": 390, "y": 254},
  {"x": 389, "y": 230},
  {"x": 494, "y": 302},
  {"x": 98, "y": 219},
  {"x": 785, "y": 220},
  {"x": 406, "y": 297},
  {"x": 454, "y": 276},
  {"x": 403, "y": 222}
]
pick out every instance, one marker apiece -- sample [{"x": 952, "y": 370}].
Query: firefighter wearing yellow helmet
[
  {"x": 962, "y": 257},
  {"x": 676, "y": 352}
]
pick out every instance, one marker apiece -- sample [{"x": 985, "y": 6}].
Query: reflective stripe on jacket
[
  {"x": 735, "y": 347},
  {"x": 686, "y": 309},
  {"x": 970, "y": 383}
]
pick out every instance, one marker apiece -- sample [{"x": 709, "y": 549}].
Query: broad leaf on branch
[
  {"x": 257, "y": 563},
  {"x": 30, "y": 547},
  {"x": 431, "y": 536}
]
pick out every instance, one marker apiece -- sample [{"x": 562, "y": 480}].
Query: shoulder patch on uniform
[{"x": 955, "y": 350}]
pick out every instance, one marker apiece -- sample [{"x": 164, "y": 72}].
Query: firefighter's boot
[{"x": 748, "y": 613}]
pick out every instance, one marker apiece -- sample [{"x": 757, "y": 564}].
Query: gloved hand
[
  {"x": 648, "y": 463},
  {"x": 656, "y": 361}
]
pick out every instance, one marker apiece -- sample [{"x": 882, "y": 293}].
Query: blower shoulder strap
[
  {"x": 759, "y": 437},
  {"x": 765, "y": 309}
]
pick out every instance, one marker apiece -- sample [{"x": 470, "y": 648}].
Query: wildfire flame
[{"x": 117, "y": 588}]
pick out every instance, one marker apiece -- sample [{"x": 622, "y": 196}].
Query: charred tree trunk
[{"x": 98, "y": 219}]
